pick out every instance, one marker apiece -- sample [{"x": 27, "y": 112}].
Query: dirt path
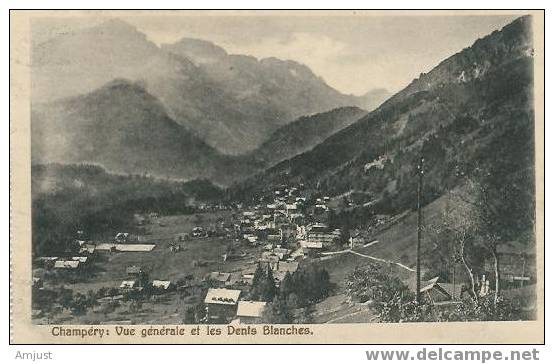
[{"x": 368, "y": 257}]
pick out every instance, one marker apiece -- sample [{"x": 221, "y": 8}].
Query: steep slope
[
  {"x": 232, "y": 102},
  {"x": 81, "y": 61},
  {"x": 471, "y": 113},
  {"x": 304, "y": 133},
  {"x": 264, "y": 94},
  {"x": 125, "y": 129}
]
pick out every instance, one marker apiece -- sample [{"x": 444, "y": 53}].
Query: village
[
  {"x": 279, "y": 237},
  {"x": 203, "y": 267}
]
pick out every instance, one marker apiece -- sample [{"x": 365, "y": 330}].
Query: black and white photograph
[{"x": 291, "y": 170}]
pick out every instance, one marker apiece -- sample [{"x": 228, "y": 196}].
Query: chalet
[
  {"x": 301, "y": 232},
  {"x": 109, "y": 247},
  {"x": 134, "y": 271},
  {"x": 434, "y": 292},
  {"x": 234, "y": 279},
  {"x": 221, "y": 304},
  {"x": 161, "y": 285},
  {"x": 82, "y": 260},
  {"x": 311, "y": 248},
  {"x": 130, "y": 285},
  {"x": 67, "y": 264},
  {"x": 270, "y": 259},
  {"x": 438, "y": 292},
  {"x": 218, "y": 279},
  {"x": 319, "y": 233},
  {"x": 252, "y": 239},
  {"x": 247, "y": 279},
  {"x": 291, "y": 208},
  {"x": 87, "y": 249},
  {"x": 250, "y": 312},
  {"x": 134, "y": 247},
  {"x": 249, "y": 214}
]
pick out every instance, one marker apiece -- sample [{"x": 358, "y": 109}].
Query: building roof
[
  {"x": 222, "y": 296},
  {"x": 161, "y": 284},
  {"x": 250, "y": 308},
  {"x": 425, "y": 286},
  {"x": 80, "y": 259},
  {"x": 433, "y": 284},
  {"x": 48, "y": 259},
  {"x": 135, "y": 247},
  {"x": 311, "y": 244},
  {"x": 287, "y": 267},
  {"x": 126, "y": 247},
  {"x": 87, "y": 248},
  {"x": 455, "y": 291},
  {"x": 128, "y": 284},
  {"x": 219, "y": 276},
  {"x": 66, "y": 264}
]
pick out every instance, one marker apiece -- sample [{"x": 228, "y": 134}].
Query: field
[
  {"x": 199, "y": 256},
  {"x": 396, "y": 243}
]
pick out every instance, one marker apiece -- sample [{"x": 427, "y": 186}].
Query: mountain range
[
  {"x": 126, "y": 130},
  {"x": 189, "y": 108},
  {"x": 231, "y": 102},
  {"x": 470, "y": 114}
]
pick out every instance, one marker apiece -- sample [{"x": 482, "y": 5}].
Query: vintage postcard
[{"x": 277, "y": 177}]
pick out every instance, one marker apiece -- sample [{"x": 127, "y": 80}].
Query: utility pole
[
  {"x": 454, "y": 261},
  {"x": 420, "y": 172}
]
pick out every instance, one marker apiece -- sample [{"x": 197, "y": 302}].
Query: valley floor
[{"x": 393, "y": 247}]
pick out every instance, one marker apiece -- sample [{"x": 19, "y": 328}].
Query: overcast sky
[{"x": 353, "y": 54}]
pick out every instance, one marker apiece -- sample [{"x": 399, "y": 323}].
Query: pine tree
[
  {"x": 287, "y": 286},
  {"x": 278, "y": 312},
  {"x": 257, "y": 283},
  {"x": 268, "y": 288}
]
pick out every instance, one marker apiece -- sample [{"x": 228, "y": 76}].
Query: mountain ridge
[
  {"x": 232, "y": 102},
  {"x": 464, "y": 115},
  {"x": 124, "y": 128}
]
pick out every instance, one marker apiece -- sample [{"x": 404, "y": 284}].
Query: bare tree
[{"x": 458, "y": 221}]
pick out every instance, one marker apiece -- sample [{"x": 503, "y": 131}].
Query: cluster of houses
[
  {"x": 289, "y": 231},
  {"x": 289, "y": 220},
  {"x": 224, "y": 305},
  {"x": 88, "y": 251},
  {"x": 64, "y": 263}
]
